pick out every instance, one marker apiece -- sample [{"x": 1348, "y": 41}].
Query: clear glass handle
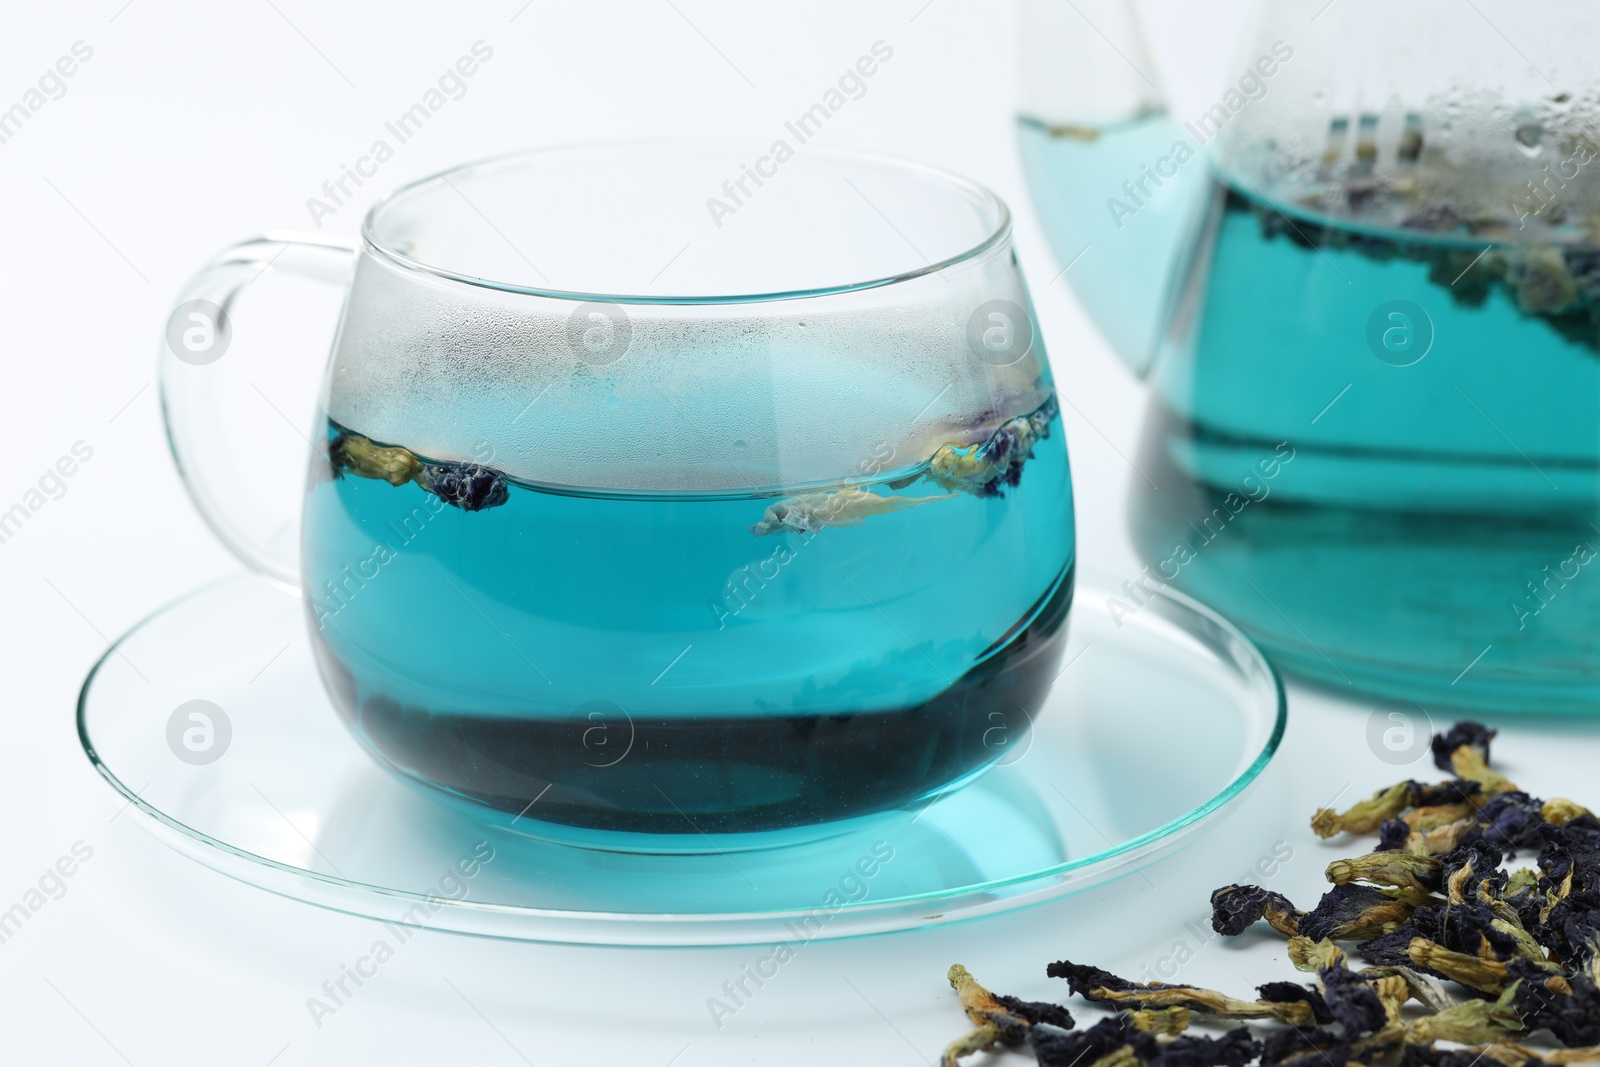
[{"x": 225, "y": 398}]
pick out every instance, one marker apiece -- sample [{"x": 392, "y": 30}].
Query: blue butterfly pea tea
[
  {"x": 868, "y": 658},
  {"x": 735, "y": 569},
  {"x": 1366, "y": 295}
]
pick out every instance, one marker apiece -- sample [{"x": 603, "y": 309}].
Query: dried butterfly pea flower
[
  {"x": 1394, "y": 836},
  {"x": 1426, "y": 991},
  {"x": 1037, "y": 1012},
  {"x": 1556, "y": 281},
  {"x": 996, "y": 1019},
  {"x": 1294, "y": 992},
  {"x": 1527, "y": 946},
  {"x": 1313, "y": 1048},
  {"x": 986, "y": 469},
  {"x": 1118, "y": 1042},
  {"x": 1578, "y": 840},
  {"x": 1355, "y": 913},
  {"x": 1297, "y": 1045},
  {"x": 1470, "y": 1022},
  {"x": 1464, "y": 752},
  {"x": 1393, "y": 992},
  {"x": 1467, "y": 764},
  {"x": 1428, "y": 835},
  {"x": 1514, "y": 820},
  {"x": 1233, "y": 1049},
  {"x": 1559, "y": 810},
  {"x": 468, "y": 486},
  {"x": 1569, "y": 930},
  {"x": 1103, "y": 987},
  {"x": 1482, "y": 930},
  {"x": 1364, "y": 816},
  {"x": 1475, "y": 929},
  {"x": 813, "y": 512},
  {"x": 350, "y": 453},
  {"x": 1521, "y": 883},
  {"x": 1484, "y": 975},
  {"x": 1356, "y": 1003},
  {"x": 1435, "y": 902},
  {"x": 1110, "y": 1037},
  {"x": 1565, "y": 907},
  {"x": 1081, "y": 978},
  {"x": 1568, "y": 1007},
  {"x": 1309, "y": 955},
  {"x": 1161, "y": 1021},
  {"x": 1465, "y": 732},
  {"x": 1388, "y": 803},
  {"x": 1395, "y": 869},
  {"x": 1352, "y": 1001},
  {"x": 1539, "y": 277},
  {"x": 1507, "y": 929},
  {"x": 1397, "y": 836},
  {"x": 1447, "y": 839},
  {"x": 1468, "y": 869},
  {"x": 1565, "y": 862},
  {"x": 1394, "y": 950},
  {"x": 1235, "y": 908},
  {"x": 1428, "y": 1056},
  {"x": 1439, "y": 815},
  {"x": 982, "y": 469},
  {"x": 1451, "y": 791},
  {"x": 1510, "y": 1055}
]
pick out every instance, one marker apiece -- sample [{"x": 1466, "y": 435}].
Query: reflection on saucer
[{"x": 384, "y": 833}]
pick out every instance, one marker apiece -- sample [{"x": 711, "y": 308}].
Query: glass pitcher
[
  {"x": 650, "y": 502},
  {"x": 1364, "y": 287}
]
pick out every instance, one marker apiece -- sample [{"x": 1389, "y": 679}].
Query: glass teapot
[{"x": 1363, "y": 284}]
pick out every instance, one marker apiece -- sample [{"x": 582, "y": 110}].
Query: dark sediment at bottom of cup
[{"x": 723, "y": 774}]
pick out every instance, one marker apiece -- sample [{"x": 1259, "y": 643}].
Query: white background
[{"x": 195, "y": 125}]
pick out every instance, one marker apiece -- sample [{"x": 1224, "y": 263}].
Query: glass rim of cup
[{"x": 998, "y": 222}]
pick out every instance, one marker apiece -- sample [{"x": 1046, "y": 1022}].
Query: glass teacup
[{"x": 664, "y": 490}]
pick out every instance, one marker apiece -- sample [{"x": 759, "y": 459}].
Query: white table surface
[{"x": 195, "y": 125}]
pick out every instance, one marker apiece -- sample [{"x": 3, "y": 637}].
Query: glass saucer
[{"x": 210, "y": 719}]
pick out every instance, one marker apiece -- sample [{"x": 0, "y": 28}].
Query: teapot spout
[{"x": 1117, "y": 182}]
